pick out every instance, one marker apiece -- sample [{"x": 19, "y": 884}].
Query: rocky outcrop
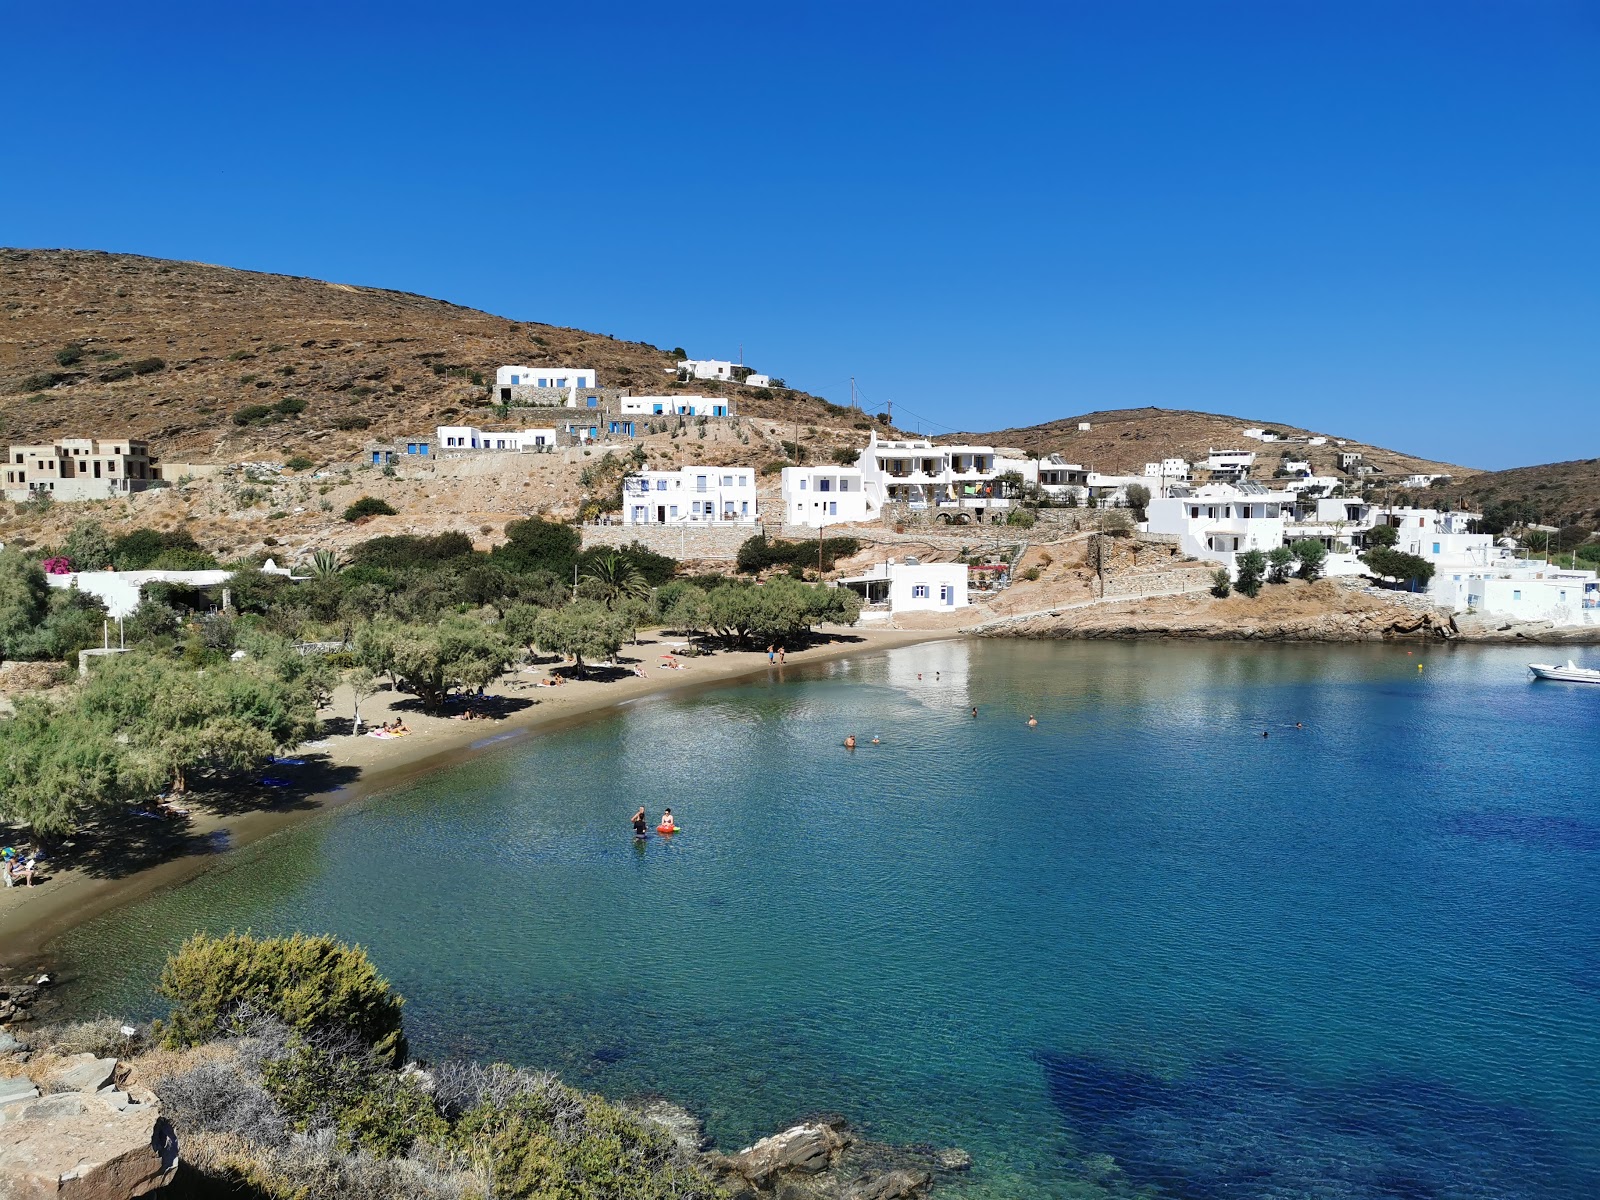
[
  {"x": 824, "y": 1159},
  {"x": 1320, "y": 612},
  {"x": 1477, "y": 627},
  {"x": 77, "y": 1128}
]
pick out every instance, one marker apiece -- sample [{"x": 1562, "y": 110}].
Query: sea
[{"x": 1231, "y": 921}]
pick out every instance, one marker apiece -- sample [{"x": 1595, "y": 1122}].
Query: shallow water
[{"x": 1139, "y": 946}]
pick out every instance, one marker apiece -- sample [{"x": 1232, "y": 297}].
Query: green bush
[
  {"x": 312, "y": 984},
  {"x": 148, "y": 366},
  {"x": 116, "y": 375},
  {"x": 291, "y": 406},
  {"x": 1021, "y": 518},
  {"x": 758, "y": 553},
  {"x": 42, "y": 381},
  {"x": 1221, "y": 585},
  {"x": 254, "y": 414},
  {"x": 69, "y": 356},
  {"x": 300, "y": 463},
  {"x": 369, "y": 506},
  {"x": 347, "y": 423}
]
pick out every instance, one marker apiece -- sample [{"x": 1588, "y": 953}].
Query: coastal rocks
[
  {"x": 84, "y": 1138},
  {"x": 824, "y": 1159},
  {"x": 681, "y": 1125}
]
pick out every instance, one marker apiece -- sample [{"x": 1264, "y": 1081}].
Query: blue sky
[{"x": 1379, "y": 220}]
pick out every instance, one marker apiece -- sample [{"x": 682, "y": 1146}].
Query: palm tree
[{"x": 613, "y": 578}]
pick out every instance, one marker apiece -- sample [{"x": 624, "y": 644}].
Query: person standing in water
[
  {"x": 1032, "y": 720},
  {"x": 639, "y": 823}
]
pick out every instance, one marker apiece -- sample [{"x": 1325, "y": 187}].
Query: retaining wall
[{"x": 679, "y": 541}]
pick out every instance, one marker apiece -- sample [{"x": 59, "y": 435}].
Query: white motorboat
[{"x": 1571, "y": 673}]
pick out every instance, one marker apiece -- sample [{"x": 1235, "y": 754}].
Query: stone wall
[{"x": 710, "y": 542}]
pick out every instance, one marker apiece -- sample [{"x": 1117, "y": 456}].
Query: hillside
[
  {"x": 1121, "y": 441},
  {"x": 170, "y": 351},
  {"x": 1564, "y": 493}
]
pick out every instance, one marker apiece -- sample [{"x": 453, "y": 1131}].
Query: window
[
  {"x": 727, "y": 481},
  {"x": 594, "y": 401},
  {"x": 833, "y": 508},
  {"x": 673, "y": 510},
  {"x": 844, "y": 485},
  {"x": 561, "y": 382},
  {"x": 824, "y": 485},
  {"x": 919, "y": 591},
  {"x": 699, "y": 483},
  {"x": 1516, "y": 594},
  {"x": 656, "y": 410},
  {"x": 802, "y": 485},
  {"x": 661, "y": 485},
  {"x": 516, "y": 380},
  {"x": 946, "y": 595},
  {"x": 1436, "y": 547}
]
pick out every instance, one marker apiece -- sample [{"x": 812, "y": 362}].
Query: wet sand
[{"x": 345, "y": 769}]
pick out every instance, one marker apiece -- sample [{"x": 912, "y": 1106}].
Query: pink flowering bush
[{"x": 59, "y": 565}]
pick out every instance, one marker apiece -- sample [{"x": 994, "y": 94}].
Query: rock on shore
[
  {"x": 77, "y": 1127},
  {"x": 824, "y": 1159}
]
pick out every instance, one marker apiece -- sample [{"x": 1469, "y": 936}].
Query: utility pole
[
  {"x": 853, "y": 403},
  {"x": 890, "y": 412}
]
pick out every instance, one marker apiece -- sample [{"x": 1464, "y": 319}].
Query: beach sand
[{"x": 342, "y": 769}]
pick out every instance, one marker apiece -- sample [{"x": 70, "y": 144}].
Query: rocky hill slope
[
  {"x": 1123, "y": 440},
  {"x": 171, "y": 351},
  {"x": 1564, "y": 493}
]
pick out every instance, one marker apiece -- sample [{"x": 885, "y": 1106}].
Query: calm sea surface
[{"x": 1139, "y": 947}]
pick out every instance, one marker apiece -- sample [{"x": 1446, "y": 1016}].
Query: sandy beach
[{"x": 342, "y": 769}]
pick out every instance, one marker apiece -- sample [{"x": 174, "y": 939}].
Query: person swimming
[
  {"x": 876, "y": 740},
  {"x": 1032, "y": 720},
  {"x": 850, "y": 741}
]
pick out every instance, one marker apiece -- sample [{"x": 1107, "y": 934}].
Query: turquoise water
[{"x": 1139, "y": 945}]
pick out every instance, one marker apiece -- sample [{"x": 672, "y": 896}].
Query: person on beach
[
  {"x": 771, "y": 656},
  {"x": 780, "y": 656},
  {"x": 666, "y": 820},
  {"x": 639, "y": 823}
]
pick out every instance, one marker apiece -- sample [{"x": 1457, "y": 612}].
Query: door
[{"x": 661, "y": 514}]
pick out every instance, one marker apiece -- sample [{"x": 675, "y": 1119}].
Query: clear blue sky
[{"x": 1377, "y": 219}]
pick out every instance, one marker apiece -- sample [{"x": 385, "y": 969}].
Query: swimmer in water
[
  {"x": 1032, "y": 720},
  {"x": 876, "y": 740},
  {"x": 1264, "y": 733},
  {"x": 850, "y": 742},
  {"x": 974, "y": 712}
]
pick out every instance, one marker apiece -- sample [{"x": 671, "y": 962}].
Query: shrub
[
  {"x": 300, "y": 463},
  {"x": 222, "y": 1096},
  {"x": 116, "y": 375},
  {"x": 1221, "y": 585},
  {"x": 43, "y": 380},
  {"x": 758, "y": 553},
  {"x": 69, "y": 356},
  {"x": 845, "y": 456},
  {"x": 147, "y": 366},
  {"x": 254, "y": 414},
  {"x": 772, "y": 468},
  {"x": 795, "y": 451},
  {"x": 347, "y": 423},
  {"x": 369, "y": 506},
  {"x": 291, "y": 406},
  {"x": 309, "y": 983},
  {"x": 1031, "y": 574},
  {"x": 1021, "y": 518}
]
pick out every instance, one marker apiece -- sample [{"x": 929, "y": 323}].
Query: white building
[
  {"x": 958, "y": 482},
  {"x": 713, "y": 368},
  {"x": 1167, "y": 469},
  {"x": 680, "y": 406},
  {"x": 565, "y": 378},
  {"x": 761, "y": 381},
  {"x": 1421, "y": 481},
  {"x": 913, "y": 586},
  {"x": 1052, "y": 474},
  {"x": 1262, "y": 435},
  {"x": 818, "y": 496},
  {"x": 1218, "y": 521},
  {"x": 1232, "y": 463},
  {"x": 121, "y": 591},
  {"x": 470, "y": 437},
  {"x": 690, "y": 496}
]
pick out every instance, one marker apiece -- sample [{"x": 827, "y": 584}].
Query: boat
[{"x": 1571, "y": 673}]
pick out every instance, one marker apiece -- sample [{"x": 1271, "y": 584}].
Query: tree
[
  {"x": 363, "y": 683},
  {"x": 1138, "y": 499},
  {"x": 1396, "y": 565},
  {"x": 1221, "y": 585},
  {"x": 24, "y": 599},
  {"x": 58, "y": 764},
  {"x": 1280, "y": 562},
  {"x": 1250, "y": 567},
  {"x": 89, "y": 547},
  {"x": 613, "y": 579},
  {"x": 683, "y": 607},
  {"x": 369, "y": 506},
  {"x": 539, "y": 545},
  {"x": 1312, "y": 556},
  {"x": 1382, "y": 536},
  {"x": 583, "y": 629},
  {"x": 460, "y": 652}
]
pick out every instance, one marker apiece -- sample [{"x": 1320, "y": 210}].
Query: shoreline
[{"x": 30, "y": 919}]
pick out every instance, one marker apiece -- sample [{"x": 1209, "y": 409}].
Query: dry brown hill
[
  {"x": 1564, "y": 493},
  {"x": 98, "y": 343},
  {"x": 1123, "y": 440}
]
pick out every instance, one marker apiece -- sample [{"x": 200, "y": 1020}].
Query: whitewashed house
[
  {"x": 1052, "y": 474},
  {"x": 760, "y": 381},
  {"x": 1173, "y": 469},
  {"x": 564, "y": 378},
  {"x": 675, "y": 406},
  {"x": 913, "y": 586},
  {"x": 121, "y": 591},
  {"x": 1230, "y": 464},
  {"x": 470, "y": 437},
  {"x": 713, "y": 368},
  {"x": 1219, "y": 521},
  {"x": 826, "y": 495},
  {"x": 957, "y": 482},
  {"x": 690, "y": 496}
]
